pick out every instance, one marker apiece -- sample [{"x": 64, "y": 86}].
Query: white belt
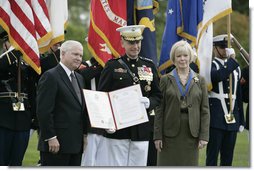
[{"x": 220, "y": 96}]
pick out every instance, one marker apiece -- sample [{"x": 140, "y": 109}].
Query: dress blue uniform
[
  {"x": 222, "y": 134},
  {"x": 16, "y": 111}
]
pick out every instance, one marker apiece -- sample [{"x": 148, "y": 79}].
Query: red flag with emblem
[{"x": 103, "y": 39}]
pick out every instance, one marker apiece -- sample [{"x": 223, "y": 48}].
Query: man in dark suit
[
  {"x": 224, "y": 124},
  {"x": 16, "y": 104},
  {"x": 60, "y": 110},
  {"x": 129, "y": 146}
]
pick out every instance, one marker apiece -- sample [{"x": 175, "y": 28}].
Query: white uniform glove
[
  {"x": 111, "y": 130},
  {"x": 145, "y": 101},
  {"x": 241, "y": 128},
  {"x": 230, "y": 52}
]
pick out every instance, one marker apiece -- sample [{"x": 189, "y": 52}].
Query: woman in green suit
[{"x": 181, "y": 125}]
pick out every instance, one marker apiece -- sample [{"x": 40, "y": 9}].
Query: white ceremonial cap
[
  {"x": 221, "y": 40},
  {"x": 132, "y": 32}
]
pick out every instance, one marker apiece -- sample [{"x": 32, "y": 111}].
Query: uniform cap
[
  {"x": 132, "y": 32},
  {"x": 221, "y": 40}
]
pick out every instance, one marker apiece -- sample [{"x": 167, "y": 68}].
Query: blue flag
[
  {"x": 182, "y": 22},
  {"x": 140, "y": 12}
]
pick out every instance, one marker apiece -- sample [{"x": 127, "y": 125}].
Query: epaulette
[{"x": 145, "y": 59}]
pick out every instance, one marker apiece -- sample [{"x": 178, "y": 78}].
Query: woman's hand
[
  {"x": 158, "y": 145},
  {"x": 202, "y": 144}
]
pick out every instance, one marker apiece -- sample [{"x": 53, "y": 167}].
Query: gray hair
[
  {"x": 181, "y": 46},
  {"x": 68, "y": 45}
]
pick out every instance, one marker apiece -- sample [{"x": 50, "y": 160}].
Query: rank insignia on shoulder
[{"x": 120, "y": 70}]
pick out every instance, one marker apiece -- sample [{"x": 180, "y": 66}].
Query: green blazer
[{"x": 167, "y": 115}]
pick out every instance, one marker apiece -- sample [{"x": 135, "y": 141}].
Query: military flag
[
  {"x": 213, "y": 11},
  {"x": 103, "y": 40},
  {"x": 184, "y": 17},
  {"x": 141, "y": 12}
]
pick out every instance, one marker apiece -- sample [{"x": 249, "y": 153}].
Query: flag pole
[{"x": 230, "y": 76}]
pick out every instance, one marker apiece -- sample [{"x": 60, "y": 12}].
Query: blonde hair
[{"x": 181, "y": 47}]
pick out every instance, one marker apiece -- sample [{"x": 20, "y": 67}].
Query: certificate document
[{"x": 116, "y": 109}]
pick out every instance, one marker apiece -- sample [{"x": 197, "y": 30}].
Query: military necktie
[{"x": 74, "y": 83}]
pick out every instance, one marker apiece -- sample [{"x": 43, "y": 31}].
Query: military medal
[
  {"x": 229, "y": 118},
  {"x": 147, "y": 88},
  {"x": 145, "y": 73},
  {"x": 183, "y": 101},
  {"x": 183, "y": 98}
]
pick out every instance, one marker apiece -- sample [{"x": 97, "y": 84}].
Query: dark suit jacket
[
  {"x": 60, "y": 112},
  {"x": 168, "y": 115}
]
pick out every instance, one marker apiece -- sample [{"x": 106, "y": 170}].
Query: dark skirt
[{"x": 181, "y": 150}]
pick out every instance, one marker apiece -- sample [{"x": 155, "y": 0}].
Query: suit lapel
[
  {"x": 192, "y": 81},
  {"x": 173, "y": 80}
]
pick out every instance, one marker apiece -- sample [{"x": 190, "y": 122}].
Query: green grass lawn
[{"x": 241, "y": 155}]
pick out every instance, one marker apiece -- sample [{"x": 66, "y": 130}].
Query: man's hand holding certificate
[{"x": 117, "y": 109}]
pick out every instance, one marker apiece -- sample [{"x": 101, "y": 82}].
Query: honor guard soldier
[
  {"x": 224, "y": 124},
  {"x": 129, "y": 146},
  {"x": 17, "y": 95},
  {"x": 51, "y": 59}
]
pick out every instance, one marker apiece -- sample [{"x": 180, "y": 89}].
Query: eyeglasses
[{"x": 133, "y": 42}]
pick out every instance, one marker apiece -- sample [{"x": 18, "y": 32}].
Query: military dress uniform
[
  {"x": 16, "y": 111},
  {"x": 222, "y": 134},
  {"x": 94, "y": 154},
  {"x": 115, "y": 76},
  {"x": 50, "y": 61}
]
